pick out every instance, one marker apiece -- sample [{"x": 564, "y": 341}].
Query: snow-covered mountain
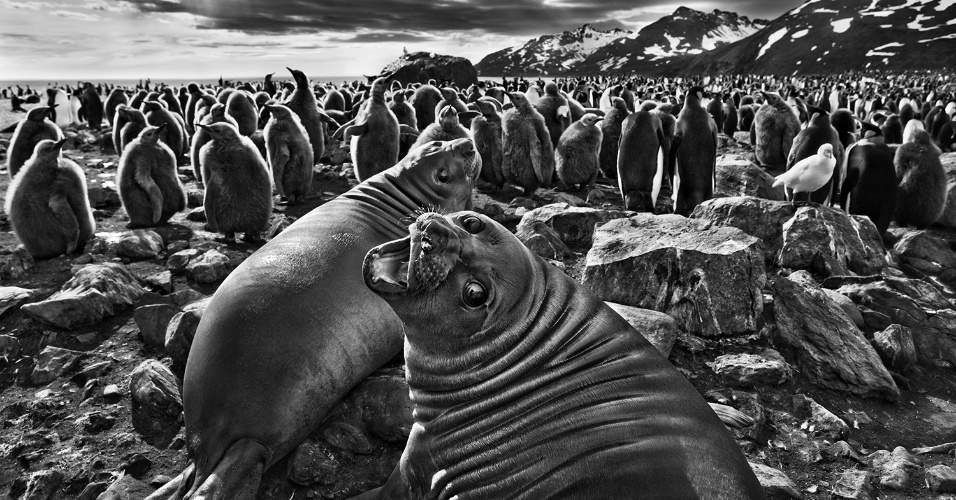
[
  {"x": 826, "y": 36},
  {"x": 685, "y": 32},
  {"x": 548, "y": 54}
]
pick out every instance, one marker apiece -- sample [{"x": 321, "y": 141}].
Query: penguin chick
[
  {"x": 921, "y": 195},
  {"x": 448, "y": 128},
  {"x": 528, "y": 159},
  {"x": 47, "y": 203},
  {"x": 577, "y": 157},
  {"x": 289, "y": 153},
  {"x": 35, "y": 127},
  {"x": 810, "y": 173},
  {"x": 486, "y": 130},
  {"x": 148, "y": 181},
  {"x": 238, "y": 194},
  {"x": 217, "y": 114}
]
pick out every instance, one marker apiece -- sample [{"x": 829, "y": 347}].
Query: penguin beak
[
  {"x": 161, "y": 126},
  {"x": 290, "y": 70},
  {"x": 207, "y": 128},
  {"x": 59, "y": 144}
]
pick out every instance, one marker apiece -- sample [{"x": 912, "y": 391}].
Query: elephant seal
[
  {"x": 527, "y": 386},
  {"x": 294, "y": 327}
]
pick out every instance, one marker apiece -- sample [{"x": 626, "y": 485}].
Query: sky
[{"x": 70, "y": 40}]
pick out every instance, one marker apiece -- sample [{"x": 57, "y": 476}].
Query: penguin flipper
[
  {"x": 63, "y": 213},
  {"x": 146, "y": 183},
  {"x": 408, "y": 130},
  {"x": 279, "y": 161},
  {"x": 76, "y": 197},
  {"x": 341, "y": 130},
  {"x": 543, "y": 161}
]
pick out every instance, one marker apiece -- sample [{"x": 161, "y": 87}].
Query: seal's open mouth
[{"x": 419, "y": 262}]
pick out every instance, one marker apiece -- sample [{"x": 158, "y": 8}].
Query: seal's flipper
[
  {"x": 237, "y": 475},
  {"x": 176, "y": 488}
]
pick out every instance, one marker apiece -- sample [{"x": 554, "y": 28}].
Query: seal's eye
[
  {"x": 473, "y": 224},
  {"x": 474, "y": 294},
  {"x": 443, "y": 176}
]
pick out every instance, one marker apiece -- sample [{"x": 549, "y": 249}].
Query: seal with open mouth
[
  {"x": 527, "y": 386},
  {"x": 294, "y": 327}
]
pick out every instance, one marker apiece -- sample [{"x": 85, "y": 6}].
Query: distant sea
[{"x": 42, "y": 84}]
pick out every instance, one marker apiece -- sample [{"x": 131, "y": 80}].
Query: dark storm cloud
[{"x": 402, "y": 17}]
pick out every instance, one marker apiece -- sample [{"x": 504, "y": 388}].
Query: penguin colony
[{"x": 655, "y": 139}]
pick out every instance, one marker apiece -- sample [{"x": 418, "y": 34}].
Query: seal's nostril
[{"x": 427, "y": 245}]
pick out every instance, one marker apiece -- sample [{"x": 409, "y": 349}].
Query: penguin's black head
[
  {"x": 870, "y": 130},
  {"x": 697, "y": 92},
  {"x": 300, "y": 79},
  {"x": 814, "y": 112},
  {"x": 48, "y": 148}
]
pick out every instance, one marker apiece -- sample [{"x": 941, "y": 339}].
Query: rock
[
  {"x": 419, "y": 67},
  {"x": 103, "y": 195},
  {"x": 92, "y": 490},
  {"x": 658, "y": 328},
  {"x": 822, "y": 422},
  {"x": 775, "y": 483},
  {"x": 43, "y": 485},
  {"x": 842, "y": 449},
  {"x": 849, "y": 308},
  {"x": 706, "y": 277},
  {"x": 126, "y": 487},
  {"x": 747, "y": 370},
  {"x": 95, "y": 292},
  {"x": 13, "y": 266},
  {"x": 543, "y": 241},
  {"x": 854, "y": 485},
  {"x": 112, "y": 391},
  {"x": 186, "y": 296},
  {"x": 95, "y": 422},
  {"x": 156, "y": 403},
  {"x": 312, "y": 462},
  {"x": 926, "y": 253},
  {"x": 140, "y": 244},
  {"x": 737, "y": 176},
  {"x": 830, "y": 242},
  {"x": 12, "y": 296},
  {"x": 92, "y": 371},
  {"x": 814, "y": 333},
  {"x": 575, "y": 225},
  {"x": 941, "y": 479},
  {"x": 570, "y": 199},
  {"x": 181, "y": 331},
  {"x": 210, "y": 267},
  {"x": 940, "y": 448},
  {"x": 348, "y": 437},
  {"x": 596, "y": 197},
  {"x": 152, "y": 321},
  {"x": 194, "y": 198},
  {"x": 757, "y": 217},
  {"x": 9, "y": 348},
  {"x": 53, "y": 363},
  {"x": 162, "y": 281},
  {"x": 523, "y": 202},
  {"x": 280, "y": 224},
  {"x": 895, "y": 347},
  {"x": 915, "y": 304},
  {"x": 895, "y": 470},
  {"x": 492, "y": 210},
  {"x": 104, "y": 242},
  {"x": 177, "y": 262},
  {"x": 197, "y": 214}
]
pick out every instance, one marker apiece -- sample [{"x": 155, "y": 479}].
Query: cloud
[{"x": 79, "y": 16}]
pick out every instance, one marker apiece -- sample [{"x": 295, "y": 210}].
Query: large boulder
[
  {"x": 707, "y": 277},
  {"x": 95, "y": 292},
  {"x": 757, "y": 217},
  {"x": 574, "y": 225},
  {"x": 912, "y": 303},
  {"x": 658, "y": 328},
  {"x": 925, "y": 252},
  {"x": 156, "y": 403},
  {"x": 419, "y": 67},
  {"x": 830, "y": 242},
  {"x": 816, "y": 335},
  {"x": 737, "y": 176}
]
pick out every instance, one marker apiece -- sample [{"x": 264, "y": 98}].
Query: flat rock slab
[
  {"x": 658, "y": 328},
  {"x": 707, "y": 277},
  {"x": 574, "y": 225},
  {"x": 12, "y": 296},
  {"x": 54, "y": 362},
  {"x": 747, "y": 370},
  {"x": 775, "y": 483},
  {"x": 95, "y": 292},
  {"x": 817, "y": 336},
  {"x": 925, "y": 253}
]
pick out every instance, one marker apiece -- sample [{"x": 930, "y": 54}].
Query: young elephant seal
[
  {"x": 294, "y": 327},
  {"x": 527, "y": 386}
]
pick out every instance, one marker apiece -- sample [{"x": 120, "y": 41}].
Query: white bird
[{"x": 810, "y": 173}]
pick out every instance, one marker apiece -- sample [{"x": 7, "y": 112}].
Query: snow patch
[
  {"x": 873, "y": 53},
  {"x": 891, "y": 44},
  {"x": 916, "y": 24},
  {"x": 798, "y": 9},
  {"x": 776, "y": 36},
  {"x": 944, "y": 4},
  {"x": 826, "y": 11},
  {"x": 841, "y": 25},
  {"x": 800, "y": 34},
  {"x": 951, "y": 35}
]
